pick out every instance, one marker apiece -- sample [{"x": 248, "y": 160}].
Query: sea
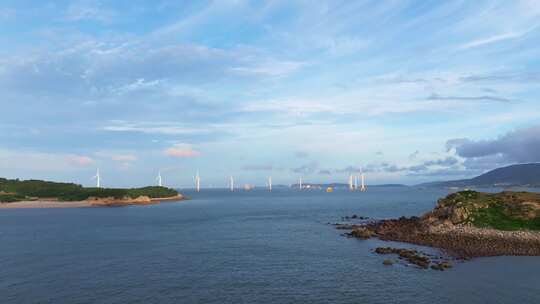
[{"x": 239, "y": 247}]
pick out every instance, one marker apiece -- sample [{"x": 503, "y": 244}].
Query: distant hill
[
  {"x": 343, "y": 185},
  {"x": 12, "y": 190},
  {"x": 526, "y": 175}
]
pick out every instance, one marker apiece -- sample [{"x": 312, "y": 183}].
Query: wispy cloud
[
  {"x": 258, "y": 167},
  {"x": 124, "y": 157},
  {"x": 155, "y": 128},
  {"x": 469, "y": 98},
  {"x": 182, "y": 151},
  {"x": 306, "y": 169},
  {"x": 89, "y": 11},
  {"x": 80, "y": 160},
  {"x": 277, "y": 69},
  {"x": 42, "y": 161},
  {"x": 490, "y": 40}
]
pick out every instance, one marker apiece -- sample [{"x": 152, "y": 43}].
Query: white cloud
[{"x": 41, "y": 161}]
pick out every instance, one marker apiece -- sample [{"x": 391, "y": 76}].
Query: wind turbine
[
  {"x": 351, "y": 188},
  {"x": 159, "y": 179},
  {"x": 270, "y": 183},
  {"x": 97, "y": 177},
  {"x": 197, "y": 182},
  {"x": 300, "y": 183},
  {"x": 362, "y": 182},
  {"x": 231, "y": 183}
]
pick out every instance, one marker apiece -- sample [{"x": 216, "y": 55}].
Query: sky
[{"x": 406, "y": 91}]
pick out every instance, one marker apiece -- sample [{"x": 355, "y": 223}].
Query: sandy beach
[
  {"x": 87, "y": 203},
  {"x": 44, "y": 204}
]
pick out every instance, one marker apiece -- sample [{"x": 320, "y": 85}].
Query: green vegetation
[
  {"x": 8, "y": 197},
  {"x": 504, "y": 211},
  {"x": 497, "y": 217},
  {"x": 16, "y": 190}
]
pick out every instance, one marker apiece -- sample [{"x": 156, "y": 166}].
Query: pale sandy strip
[
  {"x": 78, "y": 204},
  {"x": 44, "y": 204}
]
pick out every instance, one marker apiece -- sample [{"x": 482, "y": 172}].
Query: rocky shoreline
[
  {"x": 460, "y": 241},
  {"x": 415, "y": 257},
  {"x": 450, "y": 226}
]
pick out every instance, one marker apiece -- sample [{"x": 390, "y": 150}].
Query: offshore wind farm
[{"x": 301, "y": 185}]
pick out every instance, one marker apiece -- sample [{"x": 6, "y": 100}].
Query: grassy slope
[
  {"x": 503, "y": 211},
  {"x": 496, "y": 217},
  {"x": 16, "y": 190}
]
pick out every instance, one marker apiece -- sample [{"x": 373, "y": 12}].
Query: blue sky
[{"x": 410, "y": 91}]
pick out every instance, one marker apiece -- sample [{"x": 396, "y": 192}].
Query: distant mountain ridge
[
  {"x": 342, "y": 185},
  {"x": 513, "y": 175}
]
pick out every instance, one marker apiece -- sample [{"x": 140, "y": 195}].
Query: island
[
  {"x": 464, "y": 225},
  {"x": 16, "y": 193}
]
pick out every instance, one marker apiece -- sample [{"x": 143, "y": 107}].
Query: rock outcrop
[
  {"x": 468, "y": 224},
  {"x": 126, "y": 201}
]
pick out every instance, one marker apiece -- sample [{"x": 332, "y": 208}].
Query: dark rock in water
[
  {"x": 384, "y": 250},
  {"x": 418, "y": 260},
  {"x": 410, "y": 255},
  {"x": 354, "y": 217},
  {"x": 362, "y": 233},
  {"x": 441, "y": 265},
  {"x": 388, "y": 262},
  {"x": 446, "y": 265},
  {"x": 345, "y": 226}
]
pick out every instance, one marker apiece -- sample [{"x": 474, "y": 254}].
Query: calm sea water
[{"x": 242, "y": 247}]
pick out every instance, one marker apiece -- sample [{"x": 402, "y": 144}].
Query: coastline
[
  {"x": 107, "y": 202},
  {"x": 466, "y": 224},
  {"x": 40, "y": 204},
  {"x": 460, "y": 241}
]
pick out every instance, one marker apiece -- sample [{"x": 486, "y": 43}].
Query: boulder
[
  {"x": 362, "y": 233},
  {"x": 388, "y": 262}
]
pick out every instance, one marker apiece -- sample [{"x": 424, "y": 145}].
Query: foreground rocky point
[{"x": 467, "y": 224}]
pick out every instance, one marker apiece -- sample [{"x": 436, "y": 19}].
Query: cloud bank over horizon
[{"x": 405, "y": 91}]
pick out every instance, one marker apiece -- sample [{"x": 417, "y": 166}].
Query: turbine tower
[
  {"x": 197, "y": 182},
  {"x": 159, "y": 179},
  {"x": 300, "y": 184},
  {"x": 351, "y": 188},
  {"x": 362, "y": 182},
  {"x": 355, "y": 182},
  {"x": 97, "y": 177},
  {"x": 231, "y": 183},
  {"x": 270, "y": 183}
]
